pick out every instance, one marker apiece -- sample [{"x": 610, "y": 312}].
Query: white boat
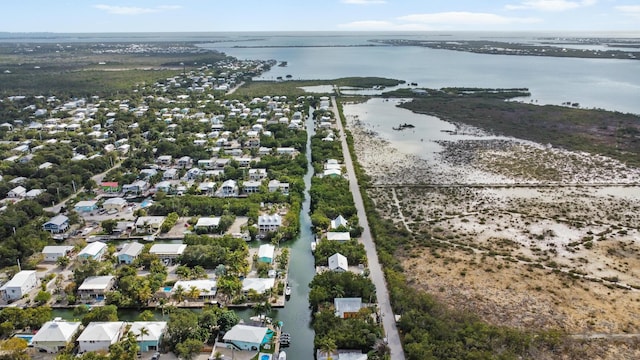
[
  {"x": 313, "y": 246},
  {"x": 287, "y": 291},
  {"x": 282, "y": 355}
]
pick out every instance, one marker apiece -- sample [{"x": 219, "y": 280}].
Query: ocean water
[{"x": 594, "y": 83}]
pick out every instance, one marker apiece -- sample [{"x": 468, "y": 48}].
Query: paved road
[{"x": 376, "y": 274}]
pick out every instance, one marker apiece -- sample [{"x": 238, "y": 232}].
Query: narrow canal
[{"x": 296, "y": 314}]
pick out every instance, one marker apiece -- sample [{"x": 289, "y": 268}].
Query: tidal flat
[{"x": 520, "y": 233}]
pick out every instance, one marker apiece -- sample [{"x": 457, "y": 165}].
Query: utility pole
[{"x": 19, "y": 267}]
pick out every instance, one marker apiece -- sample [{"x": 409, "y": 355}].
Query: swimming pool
[
  {"x": 264, "y": 356},
  {"x": 168, "y": 288},
  {"x": 27, "y": 337}
]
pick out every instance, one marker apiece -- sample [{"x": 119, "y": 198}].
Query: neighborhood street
[{"x": 376, "y": 274}]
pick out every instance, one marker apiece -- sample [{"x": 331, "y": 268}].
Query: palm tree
[
  {"x": 193, "y": 293},
  {"x": 327, "y": 345},
  {"x": 143, "y": 331},
  {"x": 178, "y": 294}
]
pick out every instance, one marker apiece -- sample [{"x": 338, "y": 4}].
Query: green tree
[
  {"x": 101, "y": 313},
  {"x": 189, "y": 348},
  {"x": 146, "y": 315},
  {"x": 42, "y": 297},
  {"x": 327, "y": 345},
  {"x": 109, "y": 225}
]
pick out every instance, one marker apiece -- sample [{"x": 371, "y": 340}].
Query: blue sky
[{"x": 318, "y": 15}]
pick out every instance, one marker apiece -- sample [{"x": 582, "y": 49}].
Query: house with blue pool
[{"x": 245, "y": 337}]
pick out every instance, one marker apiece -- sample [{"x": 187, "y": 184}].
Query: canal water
[{"x": 296, "y": 314}]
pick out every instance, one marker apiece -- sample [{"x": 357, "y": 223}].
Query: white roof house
[
  {"x": 208, "y": 287},
  {"x": 52, "y": 253},
  {"x": 167, "y": 249},
  {"x": 100, "y": 335},
  {"x": 338, "y": 236},
  {"x": 206, "y": 222},
  {"x": 95, "y": 250},
  {"x": 265, "y": 253},
  {"x": 339, "y": 221},
  {"x": 96, "y": 286},
  {"x": 246, "y": 337},
  {"x": 114, "y": 203},
  {"x": 19, "y": 285},
  {"x": 153, "y": 335},
  {"x": 347, "y": 307},
  {"x": 338, "y": 263},
  {"x": 260, "y": 285},
  {"x": 269, "y": 222},
  {"x": 168, "y": 252},
  {"x": 54, "y": 335}
]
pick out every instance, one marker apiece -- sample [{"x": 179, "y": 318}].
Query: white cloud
[
  {"x": 132, "y": 10},
  {"x": 465, "y": 18},
  {"x": 550, "y": 5},
  {"x": 630, "y": 10},
  {"x": 364, "y": 2}
]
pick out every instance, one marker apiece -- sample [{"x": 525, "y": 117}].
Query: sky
[{"x": 86, "y": 16}]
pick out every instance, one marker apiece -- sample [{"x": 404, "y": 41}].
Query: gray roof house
[{"x": 129, "y": 252}]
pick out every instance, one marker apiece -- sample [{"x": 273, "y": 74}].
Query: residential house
[
  {"x": 338, "y": 236},
  {"x": 164, "y": 186},
  {"x": 17, "y": 192},
  {"x": 207, "y": 224},
  {"x": 252, "y": 186},
  {"x": 170, "y": 174},
  {"x": 129, "y": 252},
  {"x": 207, "y": 287},
  {"x": 332, "y": 173},
  {"x": 229, "y": 188},
  {"x": 33, "y": 193},
  {"x": 194, "y": 173},
  {"x": 56, "y": 224},
  {"x": 100, "y": 335},
  {"x": 338, "y": 222},
  {"x": 53, "y": 253},
  {"x": 168, "y": 253},
  {"x": 116, "y": 203},
  {"x": 341, "y": 355},
  {"x": 137, "y": 187},
  {"x": 286, "y": 151},
  {"x": 110, "y": 187},
  {"x": 149, "y": 334},
  {"x": 164, "y": 160},
  {"x": 266, "y": 253},
  {"x": 148, "y": 224},
  {"x": 257, "y": 174},
  {"x": 245, "y": 337},
  {"x": 338, "y": 263},
  {"x": 267, "y": 223},
  {"x": 347, "y": 307},
  {"x": 185, "y": 162},
  {"x": 148, "y": 173},
  {"x": 259, "y": 285},
  {"x": 95, "y": 287},
  {"x": 94, "y": 251},
  {"x": 275, "y": 185},
  {"x": 55, "y": 335},
  {"x": 86, "y": 206},
  {"x": 19, "y": 285}
]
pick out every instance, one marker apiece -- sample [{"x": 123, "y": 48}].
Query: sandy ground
[{"x": 565, "y": 257}]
